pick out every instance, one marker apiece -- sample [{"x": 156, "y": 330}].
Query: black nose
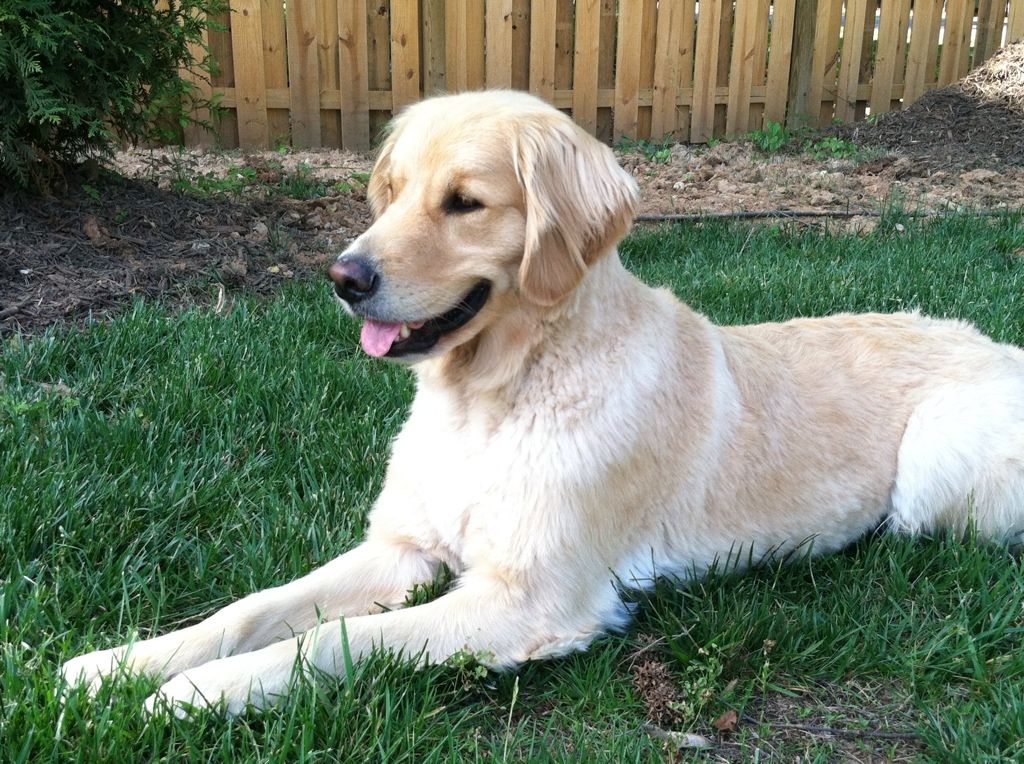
[{"x": 354, "y": 278}]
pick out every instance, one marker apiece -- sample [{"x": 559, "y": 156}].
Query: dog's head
[{"x": 485, "y": 203}]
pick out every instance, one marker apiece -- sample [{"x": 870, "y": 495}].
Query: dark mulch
[
  {"x": 65, "y": 260},
  {"x": 946, "y": 129}
]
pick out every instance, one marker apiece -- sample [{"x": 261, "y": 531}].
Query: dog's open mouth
[{"x": 385, "y": 338}]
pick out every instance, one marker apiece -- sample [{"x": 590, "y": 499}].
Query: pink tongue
[{"x": 378, "y": 336}]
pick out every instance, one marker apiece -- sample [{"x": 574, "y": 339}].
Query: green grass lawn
[{"x": 154, "y": 468}]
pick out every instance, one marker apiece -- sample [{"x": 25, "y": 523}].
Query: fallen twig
[
  {"x": 13, "y": 309},
  {"x": 56, "y": 387},
  {"x": 815, "y": 730}
]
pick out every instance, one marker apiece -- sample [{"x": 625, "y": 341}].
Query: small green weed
[
  {"x": 232, "y": 183},
  {"x": 302, "y": 184},
  {"x": 654, "y": 151},
  {"x": 471, "y": 665},
  {"x": 771, "y": 138},
  {"x": 357, "y": 181},
  {"x": 269, "y": 178},
  {"x": 92, "y": 192},
  {"x": 833, "y": 147}
]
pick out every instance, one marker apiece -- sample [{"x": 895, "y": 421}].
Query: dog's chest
[{"x": 478, "y": 489}]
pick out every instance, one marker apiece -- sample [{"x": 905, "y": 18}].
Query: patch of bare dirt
[
  {"x": 737, "y": 177},
  {"x": 93, "y": 252},
  {"x": 854, "y": 721}
]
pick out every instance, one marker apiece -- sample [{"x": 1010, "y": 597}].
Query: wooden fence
[{"x": 310, "y": 73}]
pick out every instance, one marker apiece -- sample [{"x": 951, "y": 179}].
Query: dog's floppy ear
[
  {"x": 579, "y": 203},
  {"x": 378, "y": 190}
]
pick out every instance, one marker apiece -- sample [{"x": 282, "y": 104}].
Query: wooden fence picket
[
  {"x": 777, "y": 87},
  {"x": 433, "y": 50},
  {"x": 645, "y": 80},
  {"x": 705, "y": 70},
  {"x": 250, "y": 75},
  {"x": 890, "y": 47},
  {"x": 852, "y": 52},
  {"x": 303, "y": 74},
  {"x": 354, "y": 65},
  {"x": 741, "y": 69},
  {"x": 1015, "y": 23},
  {"x": 196, "y": 134},
  {"x": 275, "y": 70},
  {"x": 543, "y": 48},
  {"x": 564, "y": 42},
  {"x": 953, "y": 40},
  {"x": 627, "y": 73},
  {"x": 498, "y": 59},
  {"x": 522, "y": 26},
  {"x": 584, "y": 68},
  {"x": 990, "y": 28},
  {"x": 405, "y": 53},
  {"x": 665, "y": 113},
  {"x": 328, "y": 68}
]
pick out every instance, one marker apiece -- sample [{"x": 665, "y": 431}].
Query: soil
[
  {"x": 947, "y": 127},
  {"x": 189, "y": 226}
]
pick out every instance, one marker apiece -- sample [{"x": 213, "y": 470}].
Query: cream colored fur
[{"x": 585, "y": 432}]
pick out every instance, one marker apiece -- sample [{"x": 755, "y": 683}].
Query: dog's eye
[{"x": 458, "y": 204}]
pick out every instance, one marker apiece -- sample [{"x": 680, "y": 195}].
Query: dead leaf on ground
[
  {"x": 91, "y": 228},
  {"x": 727, "y": 722}
]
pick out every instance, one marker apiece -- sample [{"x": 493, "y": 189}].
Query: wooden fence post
[{"x": 800, "y": 111}]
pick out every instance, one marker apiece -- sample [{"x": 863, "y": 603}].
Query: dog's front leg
[
  {"x": 374, "y": 574},
  {"x": 483, "y": 616}
]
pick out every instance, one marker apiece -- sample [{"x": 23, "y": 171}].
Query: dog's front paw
[
  {"x": 90, "y": 669},
  {"x": 183, "y": 696},
  {"x": 229, "y": 685}
]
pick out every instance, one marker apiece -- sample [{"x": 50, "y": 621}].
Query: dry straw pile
[{"x": 1001, "y": 78}]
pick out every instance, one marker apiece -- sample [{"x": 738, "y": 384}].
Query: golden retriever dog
[{"x": 576, "y": 432}]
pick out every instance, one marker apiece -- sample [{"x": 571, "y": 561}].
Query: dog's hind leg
[{"x": 961, "y": 461}]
